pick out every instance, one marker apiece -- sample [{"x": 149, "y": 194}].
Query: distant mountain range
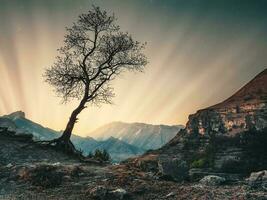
[
  {"x": 144, "y": 136},
  {"x": 132, "y": 140}
]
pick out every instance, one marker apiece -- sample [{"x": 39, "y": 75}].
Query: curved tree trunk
[{"x": 65, "y": 137}]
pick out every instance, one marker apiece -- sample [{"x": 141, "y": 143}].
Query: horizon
[
  {"x": 97, "y": 128},
  {"x": 199, "y": 55}
]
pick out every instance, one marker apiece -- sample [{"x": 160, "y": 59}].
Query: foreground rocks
[
  {"x": 212, "y": 180},
  {"x": 36, "y": 173},
  {"x": 175, "y": 169},
  {"x": 101, "y": 192},
  {"x": 258, "y": 179}
]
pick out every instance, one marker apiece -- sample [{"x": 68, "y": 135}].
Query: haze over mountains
[
  {"x": 144, "y": 136},
  {"x": 121, "y": 140}
]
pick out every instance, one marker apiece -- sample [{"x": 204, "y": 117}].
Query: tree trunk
[{"x": 65, "y": 137}]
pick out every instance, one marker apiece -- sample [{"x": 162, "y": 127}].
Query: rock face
[
  {"x": 245, "y": 110},
  {"x": 258, "y": 179},
  {"x": 227, "y": 139},
  {"x": 174, "y": 168}
]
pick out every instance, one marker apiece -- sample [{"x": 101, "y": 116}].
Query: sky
[{"x": 200, "y": 52}]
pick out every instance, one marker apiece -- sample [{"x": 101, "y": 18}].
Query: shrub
[
  {"x": 100, "y": 155},
  {"x": 200, "y": 163}
]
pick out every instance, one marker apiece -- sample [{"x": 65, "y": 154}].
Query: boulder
[
  {"x": 43, "y": 175},
  {"x": 119, "y": 193},
  {"x": 147, "y": 163},
  {"x": 171, "y": 194},
  {"x": 9, "y": 165},
  {"x": 212, "y": 180},
  {"x": 258, "y": 179},
  {"x": 174, "y": 169},
  {"x": 99, "y": 192},
  {"x": 104, "y": 193}
]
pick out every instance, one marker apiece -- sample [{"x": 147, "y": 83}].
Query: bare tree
[{"x": 95, "y": 52}]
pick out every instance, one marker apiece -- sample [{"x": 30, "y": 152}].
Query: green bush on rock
[
  {"x": 200, "y": 163},
  {"x": 102, "y": 155}
]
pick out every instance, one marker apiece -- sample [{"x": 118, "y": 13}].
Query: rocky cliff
[
  {"x": 245, "y": 110},
  {"x": 228, "y": 138}
]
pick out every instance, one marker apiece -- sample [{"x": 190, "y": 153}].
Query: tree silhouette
[{"x": 95, "y": 52}]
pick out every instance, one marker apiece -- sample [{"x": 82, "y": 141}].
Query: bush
[
  {"x": 100, "y": 155},
  {"x": 200, "y": 163}
]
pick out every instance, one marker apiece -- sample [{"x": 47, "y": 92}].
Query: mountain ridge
[
  {"x": 118, "y": 149},
  {"x": 153, "y": 136}
]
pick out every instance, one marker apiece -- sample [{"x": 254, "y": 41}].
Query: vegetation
[
  {"x": 100, "y": 155},
  {"x": 200, "y": 163},
  {"x": 205, "y": 159},
  {"x": 200, "y": 158},
  {"x": 95, "y": 52},
  {"x": 252, "y": 158}
]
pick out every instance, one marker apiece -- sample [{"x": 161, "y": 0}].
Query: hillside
[
  {"x": 245, "y": 110},
  {"x": 30, "y": 171},
  {"x": 118, "y": 149},
  {"x": 227, "y": 139}
]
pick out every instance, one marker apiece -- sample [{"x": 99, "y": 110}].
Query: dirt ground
[{"x": 33, "y": 172}]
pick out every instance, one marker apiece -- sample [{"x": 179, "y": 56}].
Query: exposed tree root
[
  {"x": 67, "y": 147},
  {"x": 60, "y": 144}
]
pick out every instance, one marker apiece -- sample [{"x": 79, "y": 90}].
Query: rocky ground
[{"x": 29, "y": 171}]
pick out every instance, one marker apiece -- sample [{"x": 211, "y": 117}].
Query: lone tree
[{"x": 95, "y": 52}]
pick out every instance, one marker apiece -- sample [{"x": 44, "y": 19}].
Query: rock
[
  {"x": 45, "y": 176},
  {"x": 147, "y": 163},
  {"x": 258, "y": 179},
  {"x": 170, "y": 194},
  {"x": 15, "y": 115},
  {"x": 212, "y": 180},
  {"x": 6, "y": 123},
  {"x": 119, "y": 193},
  {"x": 2, "y": 191},
  {"x": 99, "y": 192},
  {"x": 56, "y": 164},
  {"x": 9, "y": 165},
  {"x": 175, "y": 169},
  {"x": 67, "y": 178}
]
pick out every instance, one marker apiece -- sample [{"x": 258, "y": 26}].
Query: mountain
[
  {"x": 144, "y": 136},
  {"x": 21, "y": 124},
  {"x": 121, "y": 140},
  {"x": 226, "y": 139},
  {"x": 119, "y": 150},
  {"x": 245, "y": 110}
]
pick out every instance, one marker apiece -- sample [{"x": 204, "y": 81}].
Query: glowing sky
[{"x": 200, "y": 52}]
